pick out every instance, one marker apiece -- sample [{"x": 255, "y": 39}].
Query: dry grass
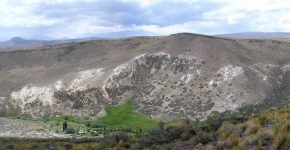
[
  {"x": 230, "y": 133},
  {"x": 270, "y": 129},
  {"x": 252, "y": 126},
  {"x": 278, "y": 125},
  {"x": 282, "y": 132}
]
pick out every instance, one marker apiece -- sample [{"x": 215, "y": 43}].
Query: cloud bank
[{"x": 55, "y": 19}]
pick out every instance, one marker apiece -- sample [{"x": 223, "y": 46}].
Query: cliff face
[
  {"x": 162, "y": 85},
  {"x": 206, "y": 75}
]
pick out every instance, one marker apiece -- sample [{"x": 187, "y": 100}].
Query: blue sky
[{"x": 56, "y": 19}]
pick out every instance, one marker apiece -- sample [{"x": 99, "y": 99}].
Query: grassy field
[
  {"x": 266, "y": 130},
  {"x": 56, "y": 124},
  {"x": 125, "y": 117},
  {"x": 117, "y": 118},
  {"x": 122, "y": 116}
]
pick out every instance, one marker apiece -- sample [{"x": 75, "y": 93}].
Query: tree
[
  {"x": 64, "y": 125},
  {"x": 161, "y": 125},
  {"x": 88, "y": 124}
]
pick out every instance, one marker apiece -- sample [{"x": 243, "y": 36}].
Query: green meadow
[
  {"x": 121, "y": 116},
  {"x": 124, "y": 116}
]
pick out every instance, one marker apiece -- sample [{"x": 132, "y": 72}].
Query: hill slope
[
  {"x": 21, "y": 43},
  {"x": 257, "y": 35},
  {"x": 181, "y": 75}
]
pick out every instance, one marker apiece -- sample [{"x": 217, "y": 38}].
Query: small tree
[
  {"x": 161, "y": 125},
  {"x": 88, "y": 124},
  {"x": 64, "y": 125}
]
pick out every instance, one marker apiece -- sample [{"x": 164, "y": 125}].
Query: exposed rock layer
[{"x": 204, "y": 75}]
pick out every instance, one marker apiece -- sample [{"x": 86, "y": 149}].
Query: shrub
[
  {"x": 153, "y": 137},
  {"x": 252, "y": 126},
  {"x": 230, "y": 134},
  {"x": 281, "y": 134},
  {"x": 189, "y": 131},
  {"x": 69, "y": 131},
  {"x": 127, "y": 145},
  {"x": 120, "y": 136},
  {"x": 67, "y": 146},
  {"x": 34, "y": 146},
  {"x": 50, "y": 146},
  {"x": 228, "y": 129},
  {"x": 286, "y": 145},
  {"x": 185, "y": 136},
  {"x": 108, "y": 141},
  {"x": 209, "y": 147},
  {"x": 161, "y": 125},
  {"x": 10, "y": 147},
  {"x": 223, "y": 145},
  {"x": 250, "y": 141},
  {"x": 198, "y": 146},
  {"x": 204, "y": 137}
]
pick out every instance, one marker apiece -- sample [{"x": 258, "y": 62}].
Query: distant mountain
[
  {"x": 257, "y": 35},
  {"x": 19, "y": 42}
]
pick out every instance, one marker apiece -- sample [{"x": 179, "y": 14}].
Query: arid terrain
[
  {"x": 182, "y": 75},
  {"x": 182, "y": 91}
]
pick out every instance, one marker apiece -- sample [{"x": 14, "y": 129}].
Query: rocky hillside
[
  {"x": 257, "y": 35},
  {"x": 21, "y": 43},
  {"x": 181, "y": 75}
]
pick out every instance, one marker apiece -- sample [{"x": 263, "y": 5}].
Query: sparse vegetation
[
  {"x": 64, "y": 126},
  {"x": 268, "y": 130}
]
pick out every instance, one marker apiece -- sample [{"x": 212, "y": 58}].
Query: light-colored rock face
[
  {"x": 163, "y": 86},
  {"x": 40, "y": 101},
  {"x": 29, "y": 94},
  {"x": 226, "y": 73},
  {"x": 83, "y": 78}
]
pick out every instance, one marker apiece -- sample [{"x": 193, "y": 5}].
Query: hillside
[
  {"x": 21, "y": 43},
  {"x": 257, "y": 35},
  {"x": 182, "y": 75}
]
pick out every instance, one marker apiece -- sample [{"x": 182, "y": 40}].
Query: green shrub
[
  {"x": 204, "y": 137},
  {"x": 67, "y": 146}
]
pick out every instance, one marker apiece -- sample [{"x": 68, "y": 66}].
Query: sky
[{"x": 60, "y": 19}]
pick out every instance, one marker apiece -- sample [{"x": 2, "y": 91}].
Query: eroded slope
[{"x": 183, "y": 75}]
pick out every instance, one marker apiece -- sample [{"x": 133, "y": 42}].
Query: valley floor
[
  {"x": 269, "y": 130},
  {"x": 25, "y": 129}
]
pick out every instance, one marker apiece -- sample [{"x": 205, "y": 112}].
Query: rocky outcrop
[
  {"x": 152, "y": 80},
  {"x": 162, "y": 86}
]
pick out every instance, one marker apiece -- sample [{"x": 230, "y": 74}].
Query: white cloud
[
  {"x": 80, "y": 18},
  {"x": 258, "y": 15},
  {"x": 82, "y": 29},
  {"x": 176, "y": 28},
  {"x": 20, "y": 14}
]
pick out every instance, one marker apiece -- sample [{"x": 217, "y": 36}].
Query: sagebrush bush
[
  {"x": 281, "y": 134},
  {"x": 252, "y": 126},
  {"x": 223, "y": 145},
  {"x": 204, "y": 137}
]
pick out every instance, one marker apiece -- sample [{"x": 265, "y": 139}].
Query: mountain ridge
[
  {"x": 257, "y": 35},
  {"x": 181, "y": 75},
  {"x": 20, "y": 43}
]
